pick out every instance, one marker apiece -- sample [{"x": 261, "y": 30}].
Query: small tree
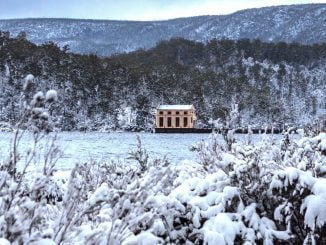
[{"x": 24, "y": 223}]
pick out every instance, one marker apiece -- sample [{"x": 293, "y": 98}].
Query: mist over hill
[{"x": 294, "y": 23}]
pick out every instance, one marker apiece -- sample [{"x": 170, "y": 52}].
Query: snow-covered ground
[{"x": 82, "y": 147}]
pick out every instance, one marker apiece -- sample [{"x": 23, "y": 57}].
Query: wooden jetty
[
  {"x": 183, "y": 130},
  {"x": 219, "y": 131}
]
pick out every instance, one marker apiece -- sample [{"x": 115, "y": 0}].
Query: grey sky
[{"x": 130, "y": 9}]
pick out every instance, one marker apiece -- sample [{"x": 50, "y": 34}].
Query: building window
[
  {"x": 177, "y": 112},
  {"x": 169, "y": 113},
  {"x": 177, "y": 122},
  {"x": 186, "y": 113},
  {"x": 169, "y": 122},
  {"x": 185, "y": 122},
  {"x": 161, "y": 112},
  {"x": 161, "y": 122}
]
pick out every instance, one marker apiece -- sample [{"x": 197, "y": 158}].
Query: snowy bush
[
  {"x": 247, "y": 195},
  {"x": 234, "y": 193},
  {"x": 28, "y": 198},
  {"x": 51, "y": 95}
]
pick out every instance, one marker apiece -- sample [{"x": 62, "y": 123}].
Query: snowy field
[{"x": 81, "y": 147}]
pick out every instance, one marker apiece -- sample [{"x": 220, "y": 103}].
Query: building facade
[{"x": 175, "y": 116}]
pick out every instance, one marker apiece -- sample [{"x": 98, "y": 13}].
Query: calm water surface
[{"x": 81, "y": 147}]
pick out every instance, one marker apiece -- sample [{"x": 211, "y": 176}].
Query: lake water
[{"x": 81, "y": 147}]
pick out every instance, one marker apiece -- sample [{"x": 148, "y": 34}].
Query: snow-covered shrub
[
  {"x": 212, "y": 154},
  {"x": 141, "y": 156},
  {"x": 301, "y": 202},
  {"x": 235, "y": 193},
  {"x": 26, "y": 199},
  {"x": 28, "y": 82},
  {"x": 244, "y": 195},
  {"x": 261, "y": 169},
  {"x": 51, "y": 96}
]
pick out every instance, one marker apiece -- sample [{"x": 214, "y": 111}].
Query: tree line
[{"x": 273, "y": 83}]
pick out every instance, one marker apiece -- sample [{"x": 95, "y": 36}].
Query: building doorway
[
  {"x": 185, "y": 122},
  {"x": 161, "y": 123},
  {"x": 177, "y": 122},
  {"x": 169, "y": 122}
]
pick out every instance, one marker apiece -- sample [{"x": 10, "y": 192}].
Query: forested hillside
[
  {"x": 303, "y": 23},
  {"x": 272, "y": 82}
]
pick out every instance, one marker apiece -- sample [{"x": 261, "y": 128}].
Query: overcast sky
[{"x": 130, "y": 9}]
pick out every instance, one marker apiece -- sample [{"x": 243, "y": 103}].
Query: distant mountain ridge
[{"x": 292, "y": 23}]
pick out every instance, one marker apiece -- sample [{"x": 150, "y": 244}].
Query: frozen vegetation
[
  {"x": 274, "y": 84},
  {"x": 232, "y": 192}
]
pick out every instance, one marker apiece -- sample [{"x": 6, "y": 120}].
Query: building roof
[{"x": 175, "y": 107}]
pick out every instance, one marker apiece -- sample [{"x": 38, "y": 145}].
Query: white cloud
[
  {"x": 207, "y": 7},
  {"x": 131, "y": 9}
]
